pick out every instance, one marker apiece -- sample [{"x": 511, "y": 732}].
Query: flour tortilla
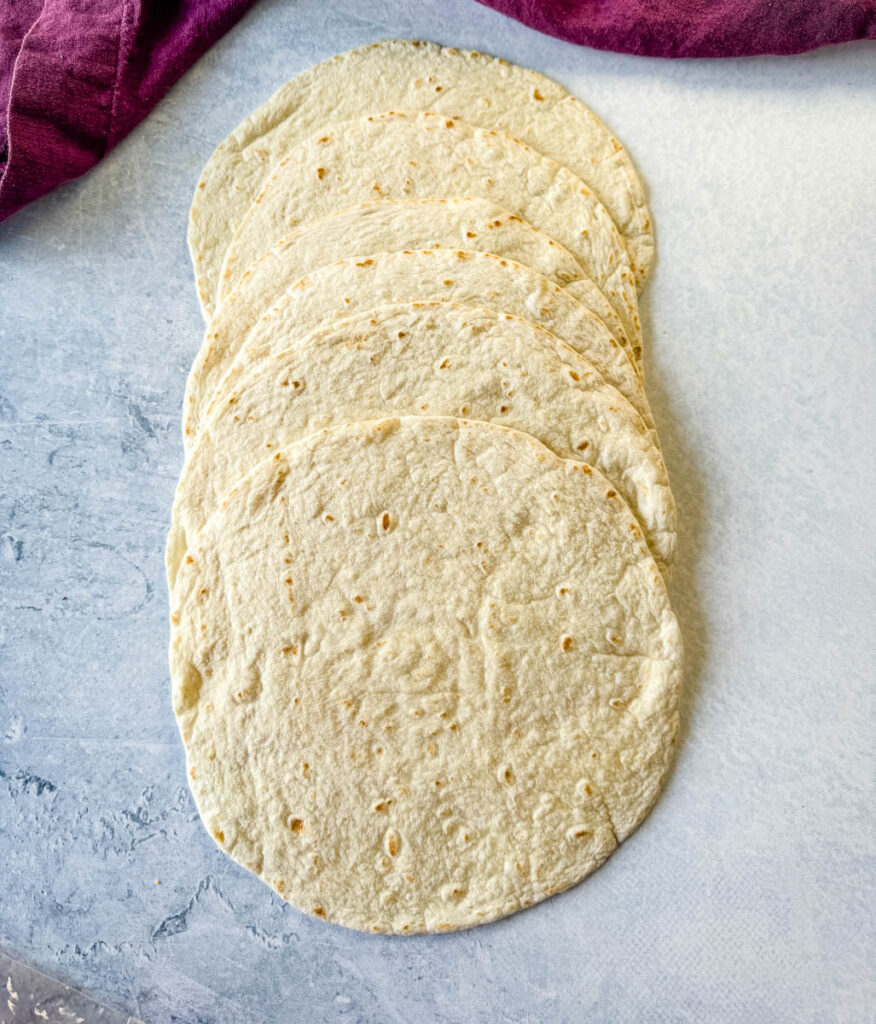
[
  {"x": 411, "y": 75},
  {"x": 388, "y": 226},
  {"x": 344, "y": 287},
  {"x": 425, "y": 671},
  {"x": 425, "y": 358},
  {"x": 417, "y": 156}
]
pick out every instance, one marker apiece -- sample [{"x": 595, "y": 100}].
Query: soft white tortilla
[
  {"x": 412, "y": 75},
  {"x": 417, "y": 156},
  {"x": 388, "y": 226},
  {"x": 425, "y": 358},
  {"x": 426, "y": 673},
  {"x": 342, "y": 288}
]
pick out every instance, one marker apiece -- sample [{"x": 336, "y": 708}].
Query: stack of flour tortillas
[{"x": 424, "y": 663}]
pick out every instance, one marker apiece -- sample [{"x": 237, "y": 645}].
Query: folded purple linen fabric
[
  {"x": 697, "y": 28},
  {"x": 77, "y": 75}
]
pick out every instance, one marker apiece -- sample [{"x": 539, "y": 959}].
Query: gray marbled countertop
[{"x": 743, "y": 898}]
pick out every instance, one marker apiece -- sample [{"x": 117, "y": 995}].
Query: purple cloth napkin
[
  {"x": 697, "y": 28},
  {"x": 77, "y": 75}
]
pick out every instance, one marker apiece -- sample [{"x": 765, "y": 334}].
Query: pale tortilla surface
[
  {"x": 413, "y": 75},
  {"x": 425, "y": 358},
  {"x": 405, "y": 155},
  {"x": 426, "y": 673},
  {"x": 355, "y": 283},
  {"x": 389, "y": 226}
]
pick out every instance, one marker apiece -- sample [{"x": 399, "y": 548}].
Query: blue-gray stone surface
[{"x": 747, "y": 895}]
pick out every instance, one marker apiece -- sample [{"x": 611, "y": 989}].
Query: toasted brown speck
[{"x": 392, "y": 843}]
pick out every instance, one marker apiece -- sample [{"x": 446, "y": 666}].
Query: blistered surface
[
  {"x": 424, "y": 359},
  {"x": 370, "y": 228},
  {"x": 412, "y": 155},
  {"x": 347, "y": 285},
  {"x": 426, "y": 673},
  {"x": 412, "y": 75}
]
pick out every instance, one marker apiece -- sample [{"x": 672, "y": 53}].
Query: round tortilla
[
  {"x": 412, "y": 75},
  {"x": 425, "y": 358},
  {"x": 426, "y": 673},
  {"x": 344, "y": 287},
  {"x": 388, "y": 226},
  {"x": 419, "y": 156}
]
